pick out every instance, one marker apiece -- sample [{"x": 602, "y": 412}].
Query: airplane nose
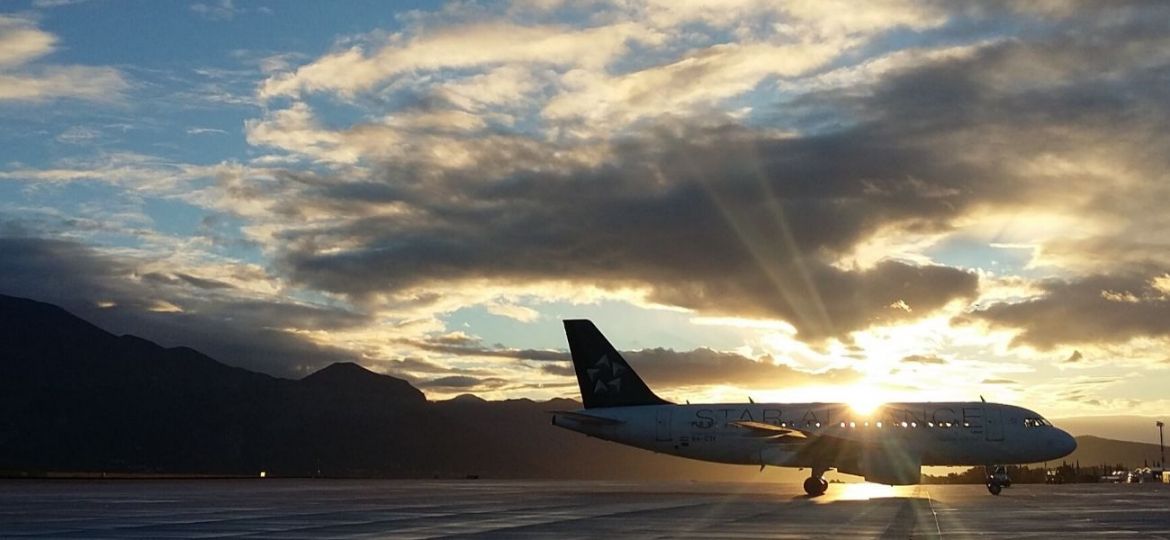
[{"x": 1064, "y": 443}]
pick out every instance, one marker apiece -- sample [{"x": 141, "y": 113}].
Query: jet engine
[{"x": 890, "y": 466}]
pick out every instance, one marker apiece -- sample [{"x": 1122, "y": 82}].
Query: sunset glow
[{"x": 819, "y": 201}]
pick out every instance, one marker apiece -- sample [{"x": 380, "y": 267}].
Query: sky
[{"x": 805, "y": 200}]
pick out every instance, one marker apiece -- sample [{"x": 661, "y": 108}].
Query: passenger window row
[{"x": 854, "y": 425}]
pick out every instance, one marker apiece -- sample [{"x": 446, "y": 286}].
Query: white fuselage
[{"x": 944, "y": 433}]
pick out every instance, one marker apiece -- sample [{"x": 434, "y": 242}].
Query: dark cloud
[
  {"x": 559, "y": 370},
  {"x": 464, "y": 346},
  {"x": 177, "y": 278},
  {"x": 1075, "y": 357},
  {"x": 1079, "y": 396},
  {"x": 717, "y": 216},
  {"x": 1093, "y": 309},
  {"x": 668, "y": 368},
  {"x": 729, "y": 219},
  {"x": 727, "y": 222},
  {"x": 236, "y": 331},
  {"x": 406, "y": 366},
  {"x": 924, "y": 359},
  {"x": 464, "y": 382},
  {"x": 665, "y": 367}
]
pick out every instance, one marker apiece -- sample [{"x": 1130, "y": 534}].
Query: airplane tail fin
[{"x": 605, "y": 378}]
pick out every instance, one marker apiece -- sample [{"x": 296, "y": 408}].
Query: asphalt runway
[{"x": 274, "y": 508}]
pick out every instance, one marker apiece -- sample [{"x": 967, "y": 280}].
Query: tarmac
[{"x": 276, "y": 508}]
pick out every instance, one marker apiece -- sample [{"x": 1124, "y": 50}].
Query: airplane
[{"x": 887, "y": 446}]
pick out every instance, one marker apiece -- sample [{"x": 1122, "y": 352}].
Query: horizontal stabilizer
[{"x": 588, "y": 418}]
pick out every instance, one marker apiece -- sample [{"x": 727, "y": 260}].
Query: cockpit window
[{"x": 1036, "y": 422}]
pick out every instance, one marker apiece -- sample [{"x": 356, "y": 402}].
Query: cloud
[
  {"x": 723, "y": 221},
  {"x": 79, "y": 135},
  {"x": 513, "y": 311},
  {"x": 21, "y": 43},
  {"x": 55, "y": 3},
  {"x": 409, "y": 367},
  {"x": 1075, "y": 357},
  {"x": 1092, "y": 309},
  {"x": 105, "y": 290},
  {"x": 705, "y": 367},
  {"x": 770, "y": 217},
  {"x": 460, "y": 382},
  {"x": 205, "y": 131},
  {"x": 481, "y": 44},
  {"x": 924, "y": 360},
  {"x": 697, "y": 210},
  {"x": 472, "y": 347},
  {"x": 629, "y": 62},
  {"x": 179, "y": 278},
  {"x": 223, "y": 10},
  {"x": 664, "y": 368},
  {"x": 799, "y": 162},
  {"x": 703, "y": 78}
]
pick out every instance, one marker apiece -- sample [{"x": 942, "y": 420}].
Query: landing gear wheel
[
  {"x": 994, "y": 488},
  {"x": 815, "y": 486}
]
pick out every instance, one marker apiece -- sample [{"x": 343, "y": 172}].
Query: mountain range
[{"x": 80, "y": 399}]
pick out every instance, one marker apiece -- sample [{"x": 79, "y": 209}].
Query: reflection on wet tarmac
[{"x": 523, "y": 509}]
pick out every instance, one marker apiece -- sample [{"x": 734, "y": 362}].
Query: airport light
[{"x": 1161, "y": 446}]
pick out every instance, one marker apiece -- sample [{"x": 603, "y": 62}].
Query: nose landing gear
[
  {"x": 816, "y": 484},
  {"x": 997, "y": 479}
]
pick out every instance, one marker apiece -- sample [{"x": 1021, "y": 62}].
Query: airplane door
[
  {"x": 662, "y": 424},
  {"x": 994, "y": 419}
]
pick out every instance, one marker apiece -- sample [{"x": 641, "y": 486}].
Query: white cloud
[
  {"x": 295, "y": 129},
  {"x": 148, "y": 174},
  {"x": 55, "y": 3},
  {"x": 224, "y": 10},
  {"x": 443, "y": 120},
  {"x": 702, "y": 78},
  {"x": 502, "y": 86},
  {"x": 78, "y": 135},
  {"x": 21, "y": 43},
  {"x": 205, "y": 131},
  {"x": 513, "y": 311},
  {"x": 806, "y": 18},
  {"x": 859, "y": 76},
  {"x": 350, "y": 71},
  {"x": 633, "y": 61}
]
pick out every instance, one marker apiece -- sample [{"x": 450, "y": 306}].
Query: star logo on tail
[{"x": 606, "y": 374}]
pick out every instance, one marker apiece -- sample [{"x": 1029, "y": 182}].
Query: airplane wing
[
  {"x": 760, "y": 429},
  {"x": 587, "y": 418},
  {"x": 805, "y": 448}
]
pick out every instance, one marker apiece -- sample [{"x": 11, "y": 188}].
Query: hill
[
  {"x": 1117, "y": 427},
  {"x": 1093, "y": 451},
  {"x": 78, "y": 398}
]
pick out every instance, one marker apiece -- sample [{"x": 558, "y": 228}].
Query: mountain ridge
[{"x": 83, "y": 399}]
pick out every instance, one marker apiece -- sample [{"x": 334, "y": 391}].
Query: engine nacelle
[{"x": 892, "y": 466}]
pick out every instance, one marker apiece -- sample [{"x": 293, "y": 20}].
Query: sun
[{"x": 864, "y": 399}]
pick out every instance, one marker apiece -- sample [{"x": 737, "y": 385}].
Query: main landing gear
[{"x": 816, "y": 484}]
